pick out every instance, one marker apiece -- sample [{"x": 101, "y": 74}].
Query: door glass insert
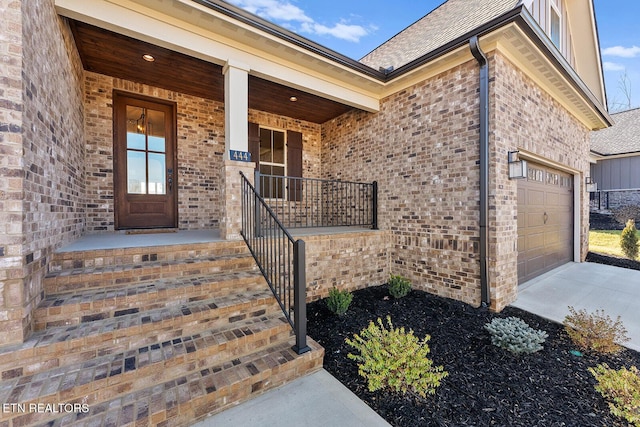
[{"x": 146, "y": 151}]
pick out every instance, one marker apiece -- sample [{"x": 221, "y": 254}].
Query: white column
[{"x": 236, "y": 107}]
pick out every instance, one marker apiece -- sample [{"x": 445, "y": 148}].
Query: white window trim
[
  {"x": 284, "y": 166},
  {"x": 284, "y": 132},
  {"x": 557, "y": 9}
]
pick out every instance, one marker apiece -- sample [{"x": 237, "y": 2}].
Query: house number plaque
[{"x": 241, "y": 156}]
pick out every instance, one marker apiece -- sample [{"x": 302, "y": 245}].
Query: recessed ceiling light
[
  {"x": 148, "y": 58},
  {"x": 293, "y": 99}
]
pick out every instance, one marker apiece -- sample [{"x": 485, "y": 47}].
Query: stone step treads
[
  {"x": 65, "y": 345},
  {"x": 107, "y": 377},
  {"x": 69, "y": 260},
  {"x": 190, "y": 398},
  {"x": 117, "y": 275},
  {"x": 101, "y": 303}
]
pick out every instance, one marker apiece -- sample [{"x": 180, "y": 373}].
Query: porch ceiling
[{"x": 112, "y": 54}]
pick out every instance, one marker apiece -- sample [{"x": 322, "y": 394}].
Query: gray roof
[
  {"x": 621, "y": 138},
  {"x": 444, "y": 24}
]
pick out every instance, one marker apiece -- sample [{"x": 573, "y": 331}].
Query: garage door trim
[{"x": 577, "y": 192}]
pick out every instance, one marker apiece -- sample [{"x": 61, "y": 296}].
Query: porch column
[
  {"x": 236, "y": 110},
  {"x": 236, "y": 156}
]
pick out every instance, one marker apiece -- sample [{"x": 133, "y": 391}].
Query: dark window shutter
[
  {"x": 294, "y": 164},
  {"x": 254, "y": 143}
]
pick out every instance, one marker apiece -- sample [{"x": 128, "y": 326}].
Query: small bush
[
  {"x": 399, "y": 286},
  {"x": 515, "y": 335},
  {"x": 621, "y": 389},
  {"x": 625, "y": 213},
  {"x": 395, "y": 359},
  {"x": 338, "y": 301},
  {"x": 629, "y": 240},
  {"x": 595, "y": 331}
]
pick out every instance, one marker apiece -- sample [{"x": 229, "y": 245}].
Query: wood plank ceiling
[{"x": 116, "y": 55}]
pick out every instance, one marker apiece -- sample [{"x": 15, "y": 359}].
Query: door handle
[
  {"x": 545, "y": 217},
  {"x": 170, "y": 178}
]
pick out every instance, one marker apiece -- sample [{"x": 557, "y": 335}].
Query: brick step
[
  {"x": 108, "y": 377},
  {"x": 114, "y": 275},
  {"x": 69, "y": 260},
  {"x": 101, "y": 303},
  {"x": 71, "y": 344},
  {"x": 208, "y": 390}
]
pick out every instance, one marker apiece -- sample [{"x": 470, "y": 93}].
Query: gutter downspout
[{"x": 477, "y": 53}]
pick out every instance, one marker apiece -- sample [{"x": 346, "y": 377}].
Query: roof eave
[
  {"x": 288, "y": 36},
  {"x": 521, "y": 17}
]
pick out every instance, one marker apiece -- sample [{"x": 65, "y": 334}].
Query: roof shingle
[
  {"x": 621, "y": 138},
  {"x": 444, "y": 24}
]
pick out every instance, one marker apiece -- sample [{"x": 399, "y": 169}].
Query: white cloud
[
  {"x": 343, "y": 31},
  {"x": 284, "y": 13},
  {"x": 621, "y": 51},
  {"x": 612, "y": 66}
]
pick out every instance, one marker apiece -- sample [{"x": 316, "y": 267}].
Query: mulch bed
[
  {"x": 600, "y": 221},
  {"x": 486, "y": 386},
  {"x": 613, "y": 260}
]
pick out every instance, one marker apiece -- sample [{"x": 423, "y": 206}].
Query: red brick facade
[{"x": 41, "y": 124}]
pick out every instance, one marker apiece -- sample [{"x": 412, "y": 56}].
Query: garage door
[{"x": 545, "y": 221}]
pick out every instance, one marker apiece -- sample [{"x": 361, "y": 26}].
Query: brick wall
[
  {"x": 11, "y": 171},
  {"x": 351, "y": 260},
  {"x": 200, "y": 130},
  {"x": 200, "y": 152},
  {"x": 524, "y": 116},
  {"x": 42, "y": 195},
  {"x": 422, "y": 149}
]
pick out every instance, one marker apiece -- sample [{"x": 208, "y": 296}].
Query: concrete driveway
[{"x": 586, "y": 286}]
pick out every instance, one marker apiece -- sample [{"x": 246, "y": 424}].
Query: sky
[{"x": 356, "y": 27}]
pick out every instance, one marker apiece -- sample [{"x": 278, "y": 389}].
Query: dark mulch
[
  {"x": 613, "y": 260},
  {"x": 602, "y": 221},
  {"x": 486, "y": 386}
]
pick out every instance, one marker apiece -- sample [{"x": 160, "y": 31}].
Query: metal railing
[
  {"x": 311, "y": 202},
  {"x": 612, "y": 199},
  {"x": 280, "y": 257}
]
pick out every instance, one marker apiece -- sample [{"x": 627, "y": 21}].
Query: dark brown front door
[
  {"x": 545, "y": 221},
  {"x": 144, "y": 162}
]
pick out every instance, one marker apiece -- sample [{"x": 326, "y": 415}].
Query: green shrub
[
  {"x": 392, "y": 358},
  {"x": 515, "y": 335},
  {"x": 399, "y": 286},
  {"x": 629, "y": 240},
  {"x": 621, "y": 389},
  {"x": 338, "y": 301},
  {"x": 595, "y": 331}
]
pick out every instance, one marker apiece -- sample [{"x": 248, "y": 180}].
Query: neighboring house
[
  {"x": 615, "y": 164},
  {"x": 431, "y": 116}
]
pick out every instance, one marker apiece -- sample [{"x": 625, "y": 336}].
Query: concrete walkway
[
  {"x": 586, "y": 286},
  {"x": 316, "y": 400}
]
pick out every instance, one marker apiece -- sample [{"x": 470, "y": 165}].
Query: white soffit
[{"x": 519, "y": 49}]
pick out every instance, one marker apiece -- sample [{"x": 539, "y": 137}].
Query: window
[
  {"x": 555, "y": 23},
  {"x": 279, "y": 153},
  {"x": 146, "y": 151},
  {"x": 272, "y": 161}
]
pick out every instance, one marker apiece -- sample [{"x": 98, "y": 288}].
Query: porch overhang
[{"x": 196, "y": 31}]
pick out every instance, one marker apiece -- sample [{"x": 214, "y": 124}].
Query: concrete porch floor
[
  {"x": 119, "y": 239},
  {"x": 586, "y": 286}
]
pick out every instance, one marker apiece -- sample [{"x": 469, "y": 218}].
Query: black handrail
[
  {"x": 313, "y": 202},
  {"x": 280, "y": 257}
]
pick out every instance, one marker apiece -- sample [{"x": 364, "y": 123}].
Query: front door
[{"x": 144, "y": 162}]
